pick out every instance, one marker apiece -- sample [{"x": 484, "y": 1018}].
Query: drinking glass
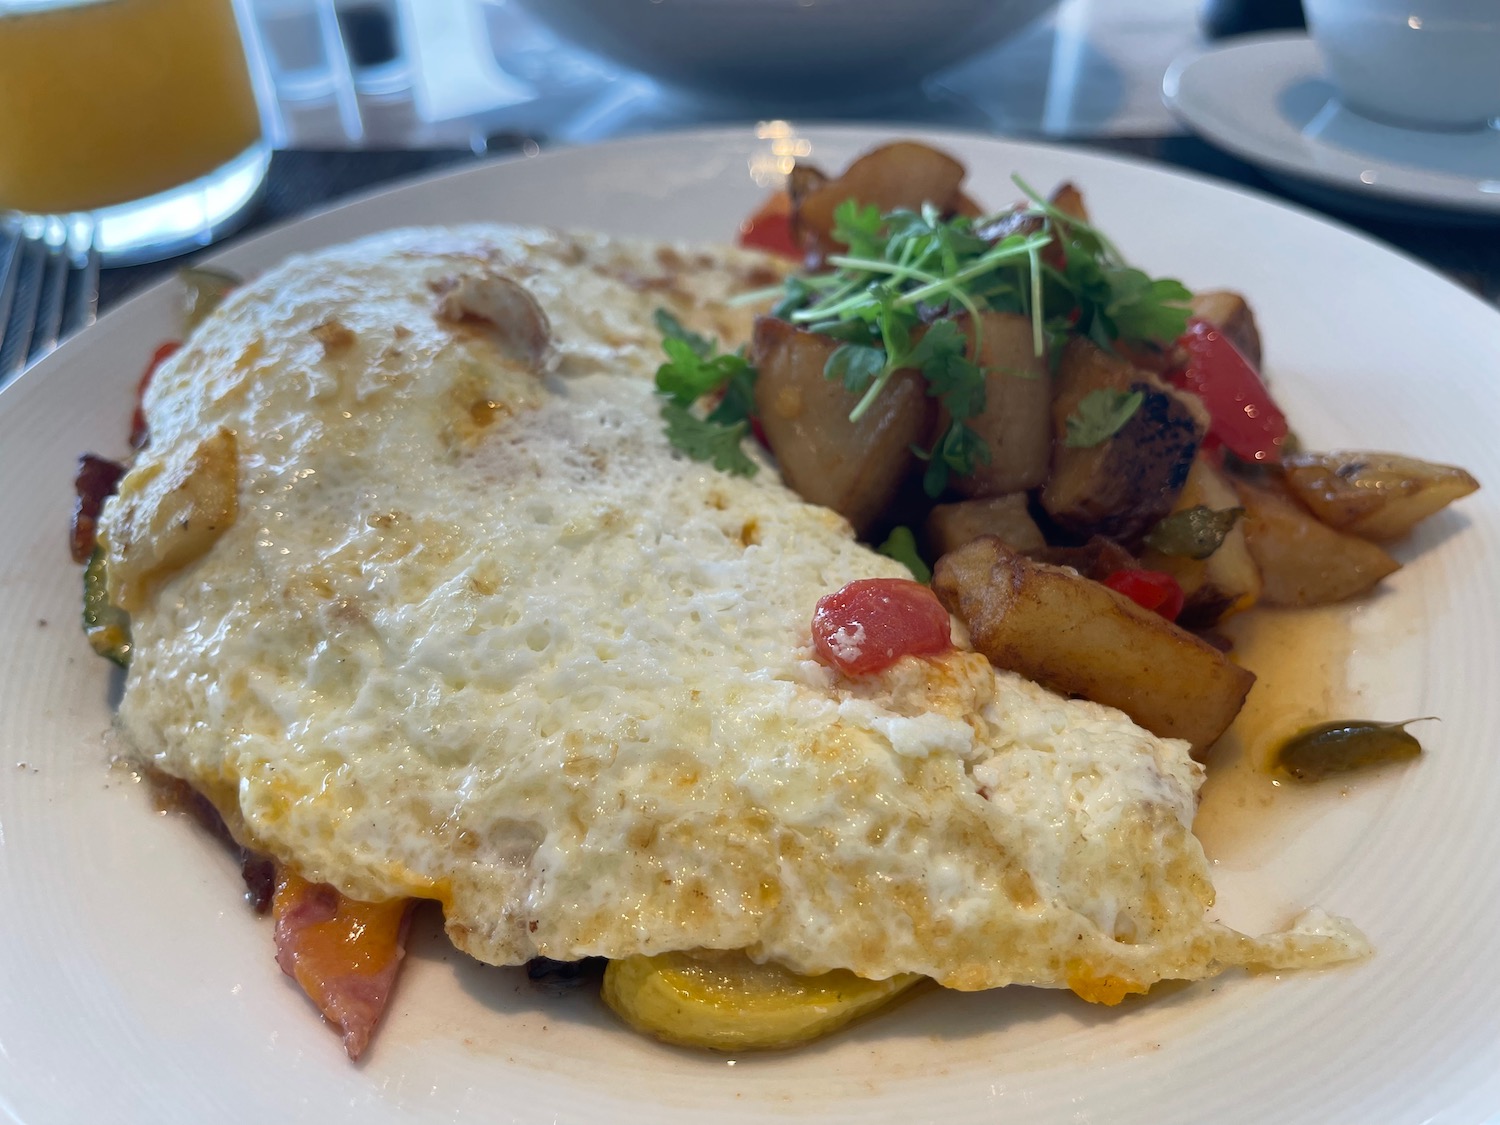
[{"x": 134, "y": 121}]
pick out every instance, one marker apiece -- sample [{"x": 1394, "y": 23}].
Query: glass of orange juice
[{"x": 136, "y": 118}]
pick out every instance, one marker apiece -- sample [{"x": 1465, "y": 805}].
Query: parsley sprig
[{"x": 696, "y": 369}]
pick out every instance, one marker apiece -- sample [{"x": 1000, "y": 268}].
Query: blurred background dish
[
  {"x": 1267, "y": 99},
  {"x": 807, "y": 49}
]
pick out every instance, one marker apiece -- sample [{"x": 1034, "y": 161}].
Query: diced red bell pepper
[
  {"x": 1245, "y": 419},
  {"x": 1155, "y": 590}
]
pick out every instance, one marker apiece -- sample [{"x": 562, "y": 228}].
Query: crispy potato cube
[
  {"x": 855, "y": 468},
  {"x": 1226, "y": 582},
  {"x": 901, "y": 174},
  {"x": 169, "y": 513},
  {"x": 1078, "y": 637},
  {"x": 950, "y": 526},
  {"x": 965, "y": 205},
  {"x": 1016, "y": 423},
  {"x": 1379, "y": 496},
  {"x": 1231, "y": 315},
  {"x": 1096, "y": 559},
  {"x": 1121, "y": 487},
  {"x": 1303, "y": 561},
  {"x": 1069, "y": 200}
]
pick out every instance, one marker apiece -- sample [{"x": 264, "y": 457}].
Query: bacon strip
[
  {"x": 94, "y": 484},
  {"x": 344, "y": 953}
]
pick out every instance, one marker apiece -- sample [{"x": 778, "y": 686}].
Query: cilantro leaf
[
  {"x": 861, "y": 229},
  {"x": 706, "y": 440},
  {"x": 855, "y": 365},
  {"x": 673, "y": 329},
  {"x": 1099, "y": 416},
  {"x": 693, "y": 371},
  {"x": 1143, "y": 308},
  {"x": 958, "y": 450},
  {"x": 901, "y": 545}
]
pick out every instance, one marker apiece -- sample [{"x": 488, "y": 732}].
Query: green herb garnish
[
  {"x": 1099, "y": 416},
  {"x": 694, "y": 369},
  {"x": 891, "y": 294},
  {"x": 901, "y": 545}
]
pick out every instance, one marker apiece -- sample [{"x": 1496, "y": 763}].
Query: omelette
[{"x": 426, "y": 604}]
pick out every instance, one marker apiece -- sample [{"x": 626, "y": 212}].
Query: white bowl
[{"x": 822, "y": 49}]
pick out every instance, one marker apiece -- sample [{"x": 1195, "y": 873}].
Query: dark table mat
[{"x": 303, "y": 180}]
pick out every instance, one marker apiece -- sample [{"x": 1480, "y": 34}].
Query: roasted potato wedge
[
  {"x": 1078, "y": 637},
  {"x": 1303, "y": 561},
  {"x": 726, "y": 1002},
  {"x": 1228, "y": 580},
  {"x": 855, "y": 468},
  {"x": 1016, "y": 421},
  {"x": 1069, "y": 200},
  {"x": 1379, "y": 496},
  {"x": 1231, "y": 315},
  {"x": 950, "y": 526},
  {"x": 900, "y": 174},
  {"x": 1123, "y": 485}
]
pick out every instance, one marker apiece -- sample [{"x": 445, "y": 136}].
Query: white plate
[
  {"x": 1265, "y": 99},
  {"x": 136, "y": 988}
]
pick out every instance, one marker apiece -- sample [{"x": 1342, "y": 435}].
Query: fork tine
[
  {"x": 25, "y": 296},
  {"x": 82, "y": 300},
  {"x": 52, "y": 286},
  {"x": 10, "y": 259}
]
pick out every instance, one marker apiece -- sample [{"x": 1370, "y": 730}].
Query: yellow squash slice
[{"x": 727, "y": 1002}]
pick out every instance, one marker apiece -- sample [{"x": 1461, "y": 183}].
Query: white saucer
[{"x": 1264, "y": 99}]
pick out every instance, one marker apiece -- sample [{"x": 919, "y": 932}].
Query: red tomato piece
[
  {"x": 770, "y": 228},
  {"x": 1244, "y": 416},
  {"x": 872, "y": 623},
  {"x": 1150, "y": 589}
]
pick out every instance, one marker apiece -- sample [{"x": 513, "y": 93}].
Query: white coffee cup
[{"x": 1425, "y": 64}]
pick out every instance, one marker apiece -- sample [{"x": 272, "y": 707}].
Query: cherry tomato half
[
  {"x": 1150, "y": 589},
  {"x": 1243, "y": 415},
  {"x": 872, "y": 623}
]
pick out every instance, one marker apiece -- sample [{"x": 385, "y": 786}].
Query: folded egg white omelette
[{"x": 424, "y": 601}]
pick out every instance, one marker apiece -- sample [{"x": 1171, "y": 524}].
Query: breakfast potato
[
  {"x": 1007, "y": 518},
  {"x": 1230, "y": 314},
  {"x": 1096, "y": 559},
  {"x": 900, "y": 174},
  {"x": 1303, "y": 561},
  {"x": 1069, "y": 200},
  {"x": 1078, "y": 637},
  {"x": 1225, "y": 582},
  {"x": 1016, "y": 421},
  {"x": 1125, "y": 483},
  {"x": 1379, "y": 496},
  {"x": 855, "y": 468}
]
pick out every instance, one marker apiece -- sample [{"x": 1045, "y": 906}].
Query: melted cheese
[{"x": 479, "y": 634}]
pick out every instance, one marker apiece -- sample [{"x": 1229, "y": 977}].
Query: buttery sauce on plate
[{"x": 1300, "y": 658}]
